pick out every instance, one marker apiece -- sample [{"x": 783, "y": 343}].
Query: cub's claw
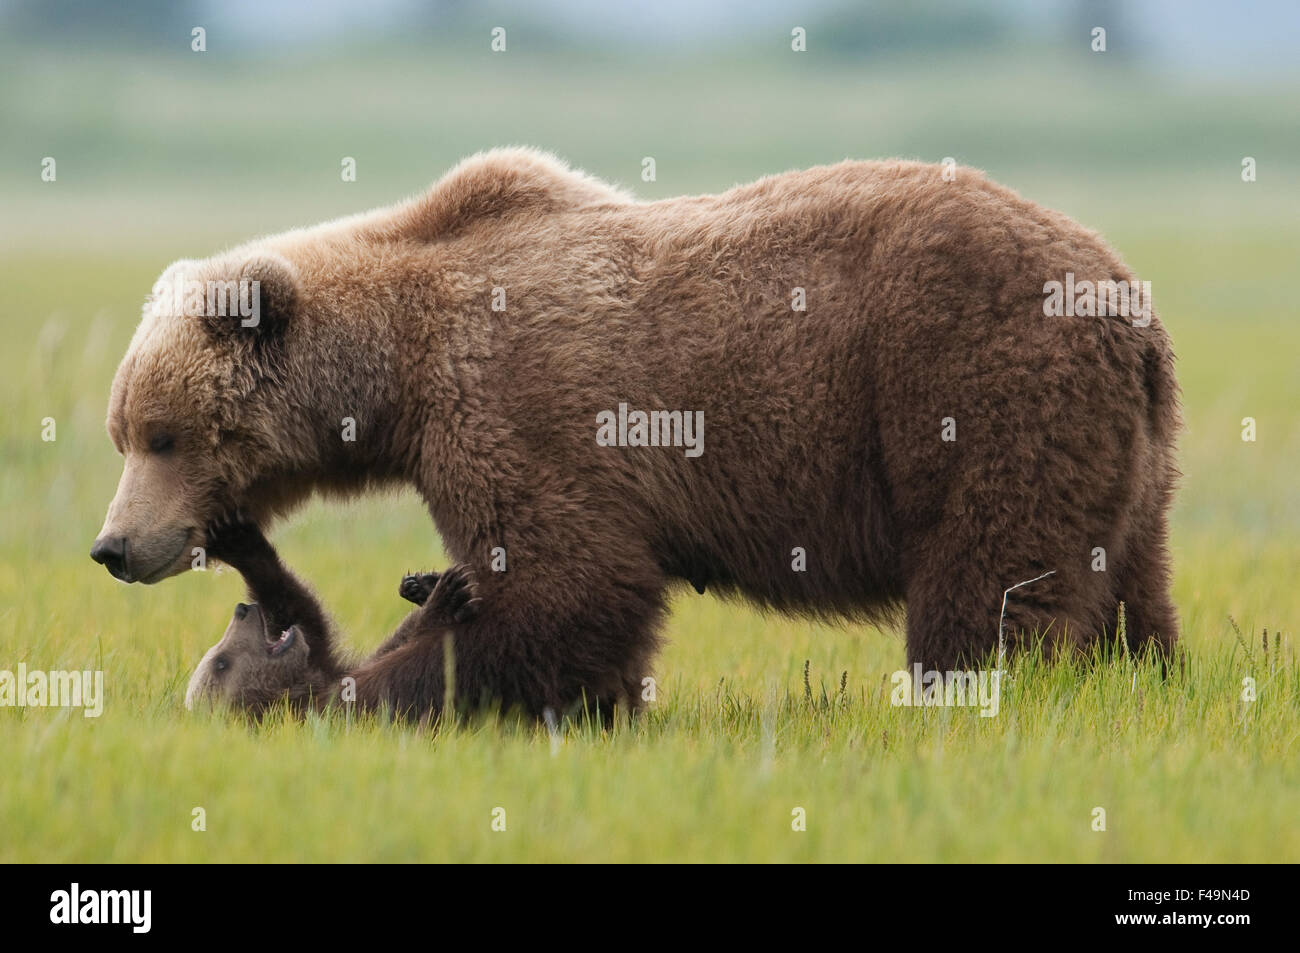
[
  {"x": 449, "y": 597},
  {"x": 231, "y": 535},
  {"x": 417, "y": 587}
]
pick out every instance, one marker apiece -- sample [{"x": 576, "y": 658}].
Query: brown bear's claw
[{"x": 456, "y": 594}]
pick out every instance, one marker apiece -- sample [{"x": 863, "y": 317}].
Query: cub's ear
[{"x": 251, "y": 300}]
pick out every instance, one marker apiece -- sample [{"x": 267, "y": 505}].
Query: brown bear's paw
[
  {"x": 417, "y": 587},
  {"x": 455, "y": 596}
]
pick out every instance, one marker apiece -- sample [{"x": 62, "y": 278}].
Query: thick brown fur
[{"x": 823, "y": 427}]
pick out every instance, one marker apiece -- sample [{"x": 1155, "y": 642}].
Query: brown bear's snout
[{"x": 110, "y": 552}]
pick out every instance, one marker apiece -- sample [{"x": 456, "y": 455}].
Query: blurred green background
[{"x": 163, "y": 152}]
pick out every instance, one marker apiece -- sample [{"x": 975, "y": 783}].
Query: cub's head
[
  {"x": 200, "y": 411},
  {"x": 252, "y": 666}
]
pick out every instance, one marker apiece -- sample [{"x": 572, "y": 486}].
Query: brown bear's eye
[
  {"x": 162, "y": 443},
  {"x": 220, "y": 663}
]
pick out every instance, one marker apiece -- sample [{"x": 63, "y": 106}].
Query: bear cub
[{"x": 281, "y": 645}]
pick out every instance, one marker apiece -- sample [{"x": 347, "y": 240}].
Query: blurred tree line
[{"x": 849, "y": 28}]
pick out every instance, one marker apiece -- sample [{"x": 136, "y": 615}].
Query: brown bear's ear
[{"x": 254, "y": 302}]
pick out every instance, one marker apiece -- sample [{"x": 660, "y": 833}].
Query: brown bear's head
[
  {"x": 252, "y": 667},
  {"x": 200, "y": 409}
]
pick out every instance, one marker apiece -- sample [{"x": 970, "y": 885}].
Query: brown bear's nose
[{"x": 110, "y": 552}]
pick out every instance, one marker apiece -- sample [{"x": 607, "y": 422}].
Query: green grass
[{"x": 1184, "y": 768}]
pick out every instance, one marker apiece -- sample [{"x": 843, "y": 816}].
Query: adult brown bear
[{"x": 871, "y": 405}]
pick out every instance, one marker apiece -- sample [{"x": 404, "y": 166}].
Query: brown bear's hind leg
[
  {"x": 1142, "y": 582},
  {"x": 953, "y": 616}
]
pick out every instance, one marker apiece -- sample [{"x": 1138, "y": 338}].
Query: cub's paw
[
  {"x": 455, "y": 596},
  {"x": 233, "y": 536},
  {"x": 417, "y": 587}
]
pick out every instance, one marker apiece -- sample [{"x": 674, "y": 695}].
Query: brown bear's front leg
[{"x": 551, "y": 633}]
